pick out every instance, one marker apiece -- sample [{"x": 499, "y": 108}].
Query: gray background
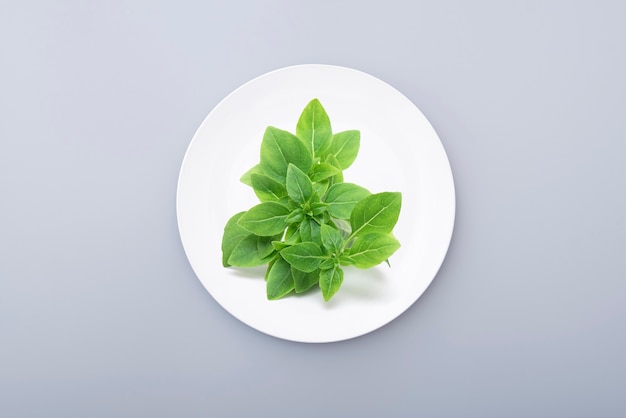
[{"x": 102, "y": 316}]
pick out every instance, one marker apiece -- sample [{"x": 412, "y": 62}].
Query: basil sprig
[{"x": 309, "y": 222}]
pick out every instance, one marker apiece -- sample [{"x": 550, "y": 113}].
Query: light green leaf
[
  {"x": 304, "y": 281},
  {"x": 299, "y": 186},
  {"x": 343, "y": 226},
  {"x": 376, "y": 213},
  {"x": 279, "y": 245},
  {"x": 320, "y": 188},
  {"x": 330, "y": 281},
  {"x": 278, "y": 149},
  {"x": 246, "y": 254},
  {"x": 314, "y": 128},
  {"x": 265, "y": 219},
  {"x": 279, "y": 280},
  {"x": 343, "y": 197},
  {"x": 304, "y": 256},
  {"x": 345, "y": 147},
  {"x": 372, "y": 249},
  {"x": 247, "y": 176},
  {"x": 332, "y": 160},
  {"x": 331, "y": 238},
  {"x": 233, "y": 235},
  {"x": 345, "y": 259},
  {"x": 323, "y": 171},
  {"x": 327, "y": 264},
  {"x": 266, "y": 188}
]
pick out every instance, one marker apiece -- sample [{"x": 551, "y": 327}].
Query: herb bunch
[{"x": 310, "y": 223}]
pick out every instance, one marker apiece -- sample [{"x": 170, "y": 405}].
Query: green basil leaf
[
  {"x": 246, "y": 253},
  {"x": 327, "y": 264},
  {"x": 309, "y": 230},
  {"x": 247, "y": 176},
  {"x": 297, "y": 215},
  {"x": 318, "y": 208},
  {"x": 320, "y": 188},
  {"x": 331, "y": 238},
  {"x": 323, "y": 171},
  {"x": 309, "y": 222},
  {"x": 279, "y": 245},
  {"x": 299, "y": 186},
  {"x": 332, "y": 160},
  {"x": 343, "y": 226},
  {"x": 270, "y": 264},
  {"x": 265, "y": 219},
  {"x": 279, "y": 280},
  {"x": 264, "y": 245},
  {"x": 314, "y": 128},
  {"x": 292, "y": 235},
  {"x": 278, "y": 149},
  {"x": 304, "y": 256},
  {"x": 343, "y": 197},
  {"x": 345, "y": 147},
  {"x": 322, "y": 218},
  {"x": 376, "y": 213},
  {"x": 304, "y": 281},
  {"x": 372, "y": 249},
  {"x": 330, "y": 281},
  {"x": 266, "y": 188},
  {"x": 233, "y": 235},
  {"x": 345, "y": 259}
]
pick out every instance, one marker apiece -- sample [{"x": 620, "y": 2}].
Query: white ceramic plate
[{"x": 400, "y": 151}]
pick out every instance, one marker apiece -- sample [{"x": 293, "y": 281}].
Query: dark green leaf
[
  {"x": 372, "y": 249},
  {"x": 304, "y": 256},
  {"x": 331, "y": 238},
  {"x": 319, "y": 208},
  {"x": 295, "y": 216},
  {"x": 278, "y": 149},
  {"x": 279, "y": 280},
  {"x": 345, "y": 147},
  {"x": 376, "y": 213},
  {"x": 292, "y": 234},
  {"x": 233, "y": 235},
  {"x": 299, "y": 186},
  {"x": 266, "y": 188},
  {"x": 270, "y": 264},
  {"x": 323, "y": 171},
  {"x": 304, "y": 281},
  {"x": 330, "y": 281},
  {"x": 314, "y": 128},
  {"x": 309, "y": 230},
  {"x": 246, "y": 253},
  {"x": 322, "y": 218},
  {"x": 343, "y": 197},
  {"x": 265, "y": 219},
  {"x": 264, "y": 245}
]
